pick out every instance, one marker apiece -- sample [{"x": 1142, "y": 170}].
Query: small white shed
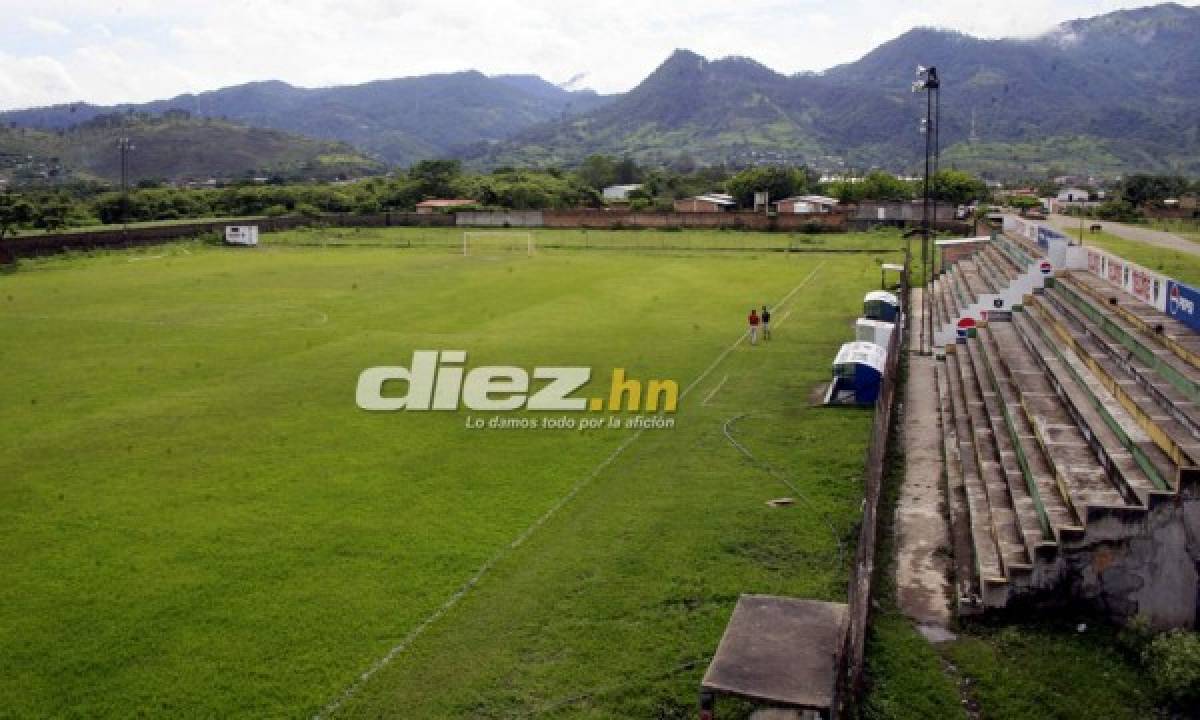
[{"x": 241, "y": 235}]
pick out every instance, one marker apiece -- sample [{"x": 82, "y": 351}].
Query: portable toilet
[
  {"x": 874, "y": 331},
  {"x": 857, "y": 373},
  {"x": 881, "y": 305}
]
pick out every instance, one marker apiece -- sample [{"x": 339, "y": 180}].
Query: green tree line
[{"x": 510, "y": 188}]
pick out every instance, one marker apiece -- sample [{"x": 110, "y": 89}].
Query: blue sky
[{"x": 135, "y": 50}]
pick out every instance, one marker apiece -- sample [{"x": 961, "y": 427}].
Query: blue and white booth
[
  {"x": 857, "y": 374},
  {"x": 881, "y": 305}
]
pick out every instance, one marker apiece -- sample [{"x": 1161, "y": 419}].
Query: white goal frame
[{"x": 469, "y": 234}]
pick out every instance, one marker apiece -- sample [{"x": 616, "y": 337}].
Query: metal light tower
[
  {"x": 124, "y": 145},
  {"x": 927, "y": 82}
]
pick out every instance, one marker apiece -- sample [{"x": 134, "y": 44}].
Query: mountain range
[{"x": 1103, "y": 95}]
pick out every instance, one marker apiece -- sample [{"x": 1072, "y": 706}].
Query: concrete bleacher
[{"x": 1071, "y": 423}]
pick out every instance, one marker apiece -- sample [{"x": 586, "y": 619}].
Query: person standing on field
[
  {"x": 766, "y": 323},
  {"x": 753, "y": 320}
]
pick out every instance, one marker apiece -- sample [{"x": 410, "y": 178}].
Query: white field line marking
[
  {"x": 517, "y": 542},
  {"x": 148, "y": 257},
  {"x": 743, "y": 336},
  {"x": 714, "y": 391}
]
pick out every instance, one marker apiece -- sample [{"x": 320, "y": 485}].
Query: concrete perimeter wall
[
  {"x": 859, "y": 593},
  {"x": 34, "y": 245},
  {"x": 49, "y": 244},
  {"x": 602, "y": 219}
]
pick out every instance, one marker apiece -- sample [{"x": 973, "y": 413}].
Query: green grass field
[{"x": 199, "y": 522}]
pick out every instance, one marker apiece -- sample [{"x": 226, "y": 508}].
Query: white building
[
  {"x": 1073, "y": 195},
  {"x": 806, "y": 204},
  {"x": 619, "y": 193}
]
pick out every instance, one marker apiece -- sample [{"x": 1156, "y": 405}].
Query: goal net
[{"x": 508, "y": 242}]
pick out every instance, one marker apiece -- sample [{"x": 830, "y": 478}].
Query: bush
[
  {"x": 276, "y": 210},
  {"x": 1117, "y": 210},
  {"x": 308, "y": 210},
  {"x": 1173, "y": 660}
]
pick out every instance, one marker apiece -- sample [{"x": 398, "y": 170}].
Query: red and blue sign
[
  {"x": 1046, "y": 267},
  {"x": 1182, "y": 304},
  {"x": 1045, "y": 235},
  {"x": 965, "y": 327}
]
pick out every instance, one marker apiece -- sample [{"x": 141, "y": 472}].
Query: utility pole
[{"x": 124, "y": 145}]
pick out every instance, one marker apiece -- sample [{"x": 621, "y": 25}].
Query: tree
[
  {"x": 52, "y": 214},
  {"x": 598, "y": 171},
  {"x": 778, "y": 181},
  {"x": 957, "y": 187},
  {"x": 1140, "y": 190},
  {"x": 1024, "y": 202},
  {"x": 628, "y": 171},
  {"x": 14, "y": 211},
  {"x": 434, "y": 177},
  {"x": 879, "y": 185}
]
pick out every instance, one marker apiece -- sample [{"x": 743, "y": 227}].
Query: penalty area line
[
  {"x": 715, "y": 390},
  {"x": 519, "y": 540}
]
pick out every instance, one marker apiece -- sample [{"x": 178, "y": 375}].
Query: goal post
[{"x": 504, "y": 241}]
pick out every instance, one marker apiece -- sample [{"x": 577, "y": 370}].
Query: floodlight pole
[
  {"x": 124, "y": 146},
  {"x": 928, "y": 81}
]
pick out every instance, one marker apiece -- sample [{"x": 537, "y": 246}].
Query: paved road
[{"x": 1167, "y": 240}]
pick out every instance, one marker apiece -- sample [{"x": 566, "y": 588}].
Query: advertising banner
[{"x": 1182, "y": 301}]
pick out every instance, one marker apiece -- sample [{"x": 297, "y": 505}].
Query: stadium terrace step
[
  {"x": 998, "y": 510},
  {"x": 967, "y": 592},
  {"x": 995, "y": 279},
  {"x": 1167, "y": 418},
  {"x": 1002, "y": 263},
  {"x": 1163, "y": 329},
  {"x": 1058, "y": 520},
  {"x": 1104, "y": 424},
  {"x": 954, "y": 296},
  {"x": 1024, "y": 247},
  {"x": 1179, "y": 390},
  {"x": 942, "y": 313},
  {"x": 993, "y": 583},
  {"x": 1010, "y": 488},
  {"x": 1083, "y": 482},
  {"x": 973, "y": 280},
  {"x": 962, "y": 294}
]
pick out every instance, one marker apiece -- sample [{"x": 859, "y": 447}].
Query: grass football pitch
[{"x": 198, "y": 521}]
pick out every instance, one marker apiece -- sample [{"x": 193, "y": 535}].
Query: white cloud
[
  {"x": 45, "y": 26},
  {"x": 140, "y": 50}
]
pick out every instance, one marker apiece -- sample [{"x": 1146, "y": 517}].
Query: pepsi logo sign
[
  {"x": 1046, "y": 267},
  {"x": 1180, "y": 304}
]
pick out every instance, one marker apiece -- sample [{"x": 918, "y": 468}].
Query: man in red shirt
[{"x": 753, "y": 320}]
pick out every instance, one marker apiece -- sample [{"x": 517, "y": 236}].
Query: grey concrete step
[
  {"x": 1014, "y": 556},
  {"x": 1039, "y": 474},
  {"x": 1091, "y": 408},
  {"x": 1159, "y": 327},
  {"x": 1172, "y": 383},
  {"x": 992, "y": 580},
  {"x": 1002, "y": 263},
  {"x": 968, "y": 596},
  {"x": 1082, "y": 481},
  {"x": 973, "y": 280},
  {"x": 1010, "y": 488},
  {"x": 1154, "y": 406},
  {"x": 996, "y": 278}
]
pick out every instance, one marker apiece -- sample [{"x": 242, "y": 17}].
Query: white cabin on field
[{"x": 246, "y": 235}]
